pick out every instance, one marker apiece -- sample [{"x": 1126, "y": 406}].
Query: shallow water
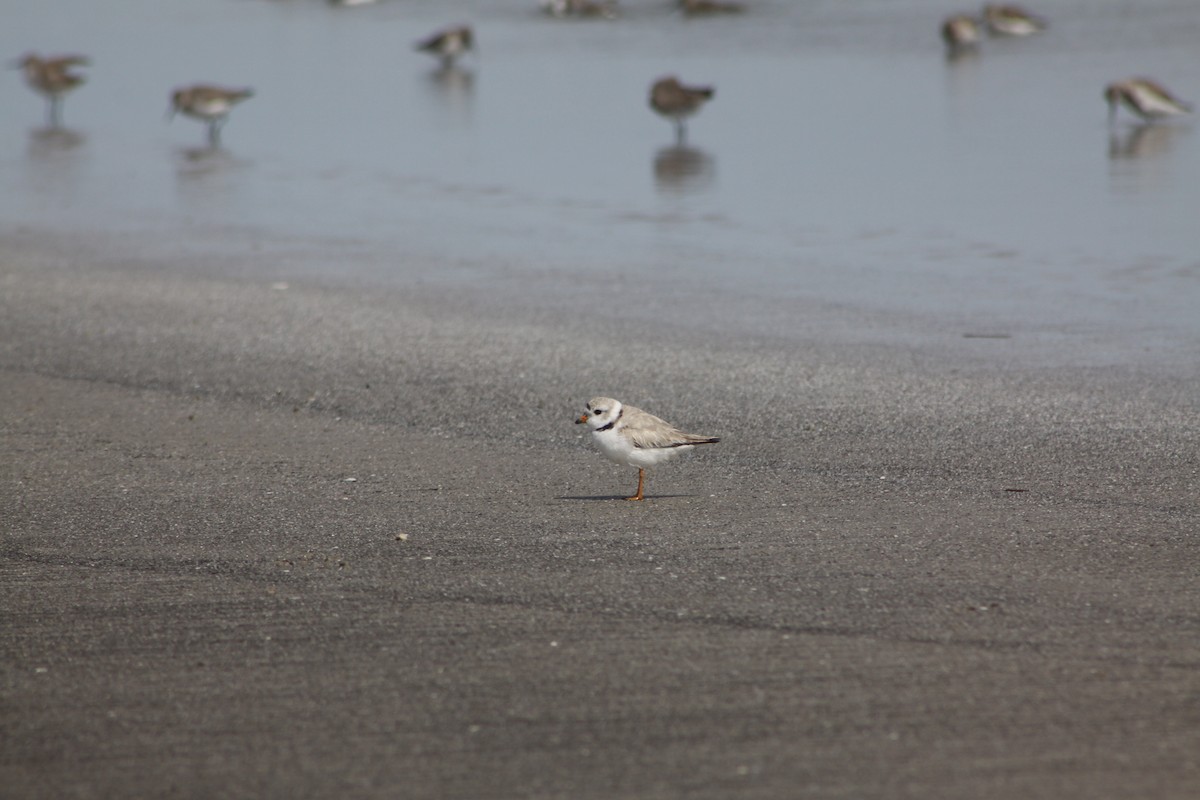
[{"x": 844, "y": 159}]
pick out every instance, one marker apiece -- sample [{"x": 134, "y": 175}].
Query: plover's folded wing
[{"x": 648, "y": 431}]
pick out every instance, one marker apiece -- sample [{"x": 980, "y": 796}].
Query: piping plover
[
  {"x": 630, "y": 436},
  {"x": 1147, "y": 98},
  {"x": 677, "y": 102},
  {"x": 448, "y": 44},
  {"x": 210, "y": 104},
  {"x": 52, "y": 78},
  {"x": 961, "y": 32},
  {"x": 1011, "y": 20}
]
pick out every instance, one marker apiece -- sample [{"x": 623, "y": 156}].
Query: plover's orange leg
[{"x": 641, "y": 479}]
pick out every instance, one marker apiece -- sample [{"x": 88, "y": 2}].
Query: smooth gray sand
[{"x": 315, "y": 541}]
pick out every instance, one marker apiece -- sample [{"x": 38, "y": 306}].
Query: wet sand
[{"x": 305, "y": 539}]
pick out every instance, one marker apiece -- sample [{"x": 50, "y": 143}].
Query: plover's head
[{"x": 601, "y": 411}]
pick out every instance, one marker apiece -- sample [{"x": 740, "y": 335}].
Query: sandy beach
[{"x": 268, "y": 538}]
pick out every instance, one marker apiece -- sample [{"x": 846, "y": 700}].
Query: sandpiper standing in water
[
  {"x": 52, "y": 78},
  {"x": 1147, "y": 98},
  {"x": 961, "y": 33},
  {"x": 449, "y": 44},
  {"x": 677, "y": 102},
  {"x": 210, "y": 104}
]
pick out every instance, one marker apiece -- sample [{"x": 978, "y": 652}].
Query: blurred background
[{"x": 845, "y": 157}]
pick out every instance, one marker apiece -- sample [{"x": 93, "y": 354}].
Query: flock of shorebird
[
  {"x": 1145, "y": 97},
  {"x": 56, "y": 76}
]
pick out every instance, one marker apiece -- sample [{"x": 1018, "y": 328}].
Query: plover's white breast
[{"x": 621, "y": 449}]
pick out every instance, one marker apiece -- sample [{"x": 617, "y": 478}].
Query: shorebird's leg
[
  {"x": 680, "y": 132},
  {"x": 214, "y": 131},
  {"x": 641, "y": 480},
  {"x": 54, "y": 111}
]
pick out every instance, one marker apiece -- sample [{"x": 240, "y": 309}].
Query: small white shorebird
[
  {"x": 1012, "y": 20},
  {"x": 210, "y": 104},
  {"x": 448, "y": 44},
  {"x": 1149, "y": 99},
  {"x": 630, "y": 436},
  {"x": 677, "y": 102}
]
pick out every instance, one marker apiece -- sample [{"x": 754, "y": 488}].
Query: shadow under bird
[
  {"x": 210, "y": 104},
  {"x": 635, "y": 438},
  {"x": 961, "y": 32},
  {"x": 52, "y": 78},
  {"x": 1012, "y": 20},
  {"x": 1147, "y": 98},
  {"x": 448, "y": 44},
  {"x": 677, "y": 102}
]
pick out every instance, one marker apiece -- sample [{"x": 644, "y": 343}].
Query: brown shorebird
[
  {"x": 448, "y": 44},
  {"x": 677, "y": 102},
  {"x": 1011, "y": 20},
  {"x": 210, "y": 104},
  {"x": 52, "y": 78},
  {"x": 1148, "y": 99},
  {"x": 961, "y": 33},
  {"x": 630, "y": 436}
]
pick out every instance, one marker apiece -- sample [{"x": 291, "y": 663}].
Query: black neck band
[{"x": 609, "y": 426}]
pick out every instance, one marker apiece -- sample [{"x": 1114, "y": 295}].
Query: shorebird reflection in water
[
  {"x": 448, "y": 44},
  {"x": 682, "y": 169},
  {"x": 1145, "y": 97},
  {"x": 677, "y": 102},
  {"x": 210, "y": 104},
  {"x": 52, "y": 78},
  {"x": 1141, "y": 141}
]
